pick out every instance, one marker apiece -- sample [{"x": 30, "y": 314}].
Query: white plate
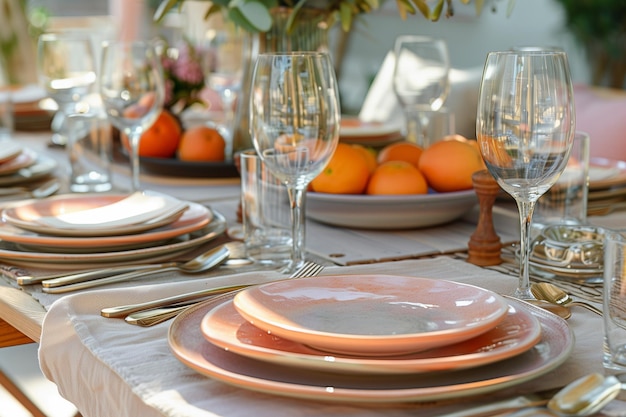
[
  {"x": 353, "y": 127},
  {"x": 12, "y": 254},
  {"x": 191, "y": 348},
  {"x": 9, "y": 150},
  {"x": 224, "y": 327},
  {"x": 371, "y": 315},
  {"x": 194, "y": 218},
  {"x": 42, "y": 166},
  {"x": 23, "y": 160},
  {"x": 389, "y": 211},
  {"x": 53, "y": 215},
  {"x": 605, "y": 173}
]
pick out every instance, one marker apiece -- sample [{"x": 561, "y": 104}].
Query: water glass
[
  {"x": 440, "y": 124},
  {"x": 566, "y": 202},
  {"x": 90, "y": 153},
  {"x": 614, "y": 359},
  {"x": 265, "y": 212}
]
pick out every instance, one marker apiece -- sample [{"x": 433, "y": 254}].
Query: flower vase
[{"x": 308, "y": 33}]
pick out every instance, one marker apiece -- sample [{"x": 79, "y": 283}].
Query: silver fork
[{"x": 155, "y": 312}]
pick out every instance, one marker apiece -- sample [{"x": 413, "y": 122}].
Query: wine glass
[
  {"x": 420, "y": 81},
  {"x": 294, "y": 124},
  {"x": 67, "y": 72},
  {"x": 223, "y": 69},
  {"x": 525, "y": 130},
  {"x": 132, "y": 91}
]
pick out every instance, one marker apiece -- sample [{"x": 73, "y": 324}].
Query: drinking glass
[
  {"x": 294, "y": 124},
  {"x": 67, "y": 72},
  {"x": 420, "y": 81},
  {"x": 132, "y": 92},
  {"x": 525, "y": 130},
  {"x": 223, "y": 69}
]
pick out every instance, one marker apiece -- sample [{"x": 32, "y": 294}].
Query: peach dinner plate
[
  {"x": 519, "y": 331},
  {"x": 194, "y": 218},
  {"x": 92, "y": 215},
  {"x": 23, "y": 160},
  {"x": 9, "y": 150},
  {"x": 188, "y": 345},
  {"x": 371, "y": 315}
]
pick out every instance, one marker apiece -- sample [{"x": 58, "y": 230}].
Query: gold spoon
[
  {"x": 550, "y": 292},
  {"x": 560, "y": 310}
]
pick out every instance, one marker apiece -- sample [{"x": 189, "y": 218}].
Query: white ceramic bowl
[{"x": 389, "y": 212}]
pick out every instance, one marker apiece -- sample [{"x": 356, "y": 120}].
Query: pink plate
[
  {"x": 194, "y": 218},
  {"x": 191, "y": 348},
  {"x": 519, "y": 331},
  {"x": 371, "y": 315},
  {"x": 23, "y": 160}
]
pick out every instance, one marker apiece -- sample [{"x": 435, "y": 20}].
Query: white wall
[{"x": 469, "y": 37}]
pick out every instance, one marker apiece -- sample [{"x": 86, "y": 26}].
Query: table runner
[{"x": 92, "y": 357}]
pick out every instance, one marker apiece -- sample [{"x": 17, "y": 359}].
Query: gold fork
[{"x": 155, "y": 312}]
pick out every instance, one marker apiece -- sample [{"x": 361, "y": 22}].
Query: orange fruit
[
  {"x": 347, "y": 172},
  {"x": 401, "y": 151},
  {"x": 201, "y": 143},
  {"x": 161, "y": 139},
  {"x": 448, "y": 165},
  {"x": 397, "y": 177},
  {"x": 370, "y": 156}
]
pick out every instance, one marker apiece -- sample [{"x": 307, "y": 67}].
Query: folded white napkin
[
  {"x": 137, "y": 208},
  {"x": 90, "y": 357}
]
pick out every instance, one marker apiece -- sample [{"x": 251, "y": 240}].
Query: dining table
[{"x": 107, "y": 367}]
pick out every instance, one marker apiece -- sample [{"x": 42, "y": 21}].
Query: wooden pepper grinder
[{"x": 484, "y": 244}]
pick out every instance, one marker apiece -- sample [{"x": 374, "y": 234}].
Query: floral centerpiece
[
  {"x": 183, "y": 74},
  {"x": 256, "y": 15}
]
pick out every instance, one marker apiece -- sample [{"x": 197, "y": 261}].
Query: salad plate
[
  {"x": 605, "y": 173},
  {"x": 95, "y": 214},
  {"x": 194, "y": 218},
  {"x": 389, "y": 211},
  {"x": 23, "y": 160},
  {"x": 42, "y": 166},
  {"x": 189, "y": 345},
  {"x": 371, "y": 315},
  {"x": 519, "y": 331}
]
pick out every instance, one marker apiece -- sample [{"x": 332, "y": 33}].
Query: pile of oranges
[
  {"x": 167, "y": 139},
  {"x": 401, "y": 168}
]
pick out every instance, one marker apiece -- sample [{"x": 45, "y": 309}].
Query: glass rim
[{"x": 528, "y": 53}]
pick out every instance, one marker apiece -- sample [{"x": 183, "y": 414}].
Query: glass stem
[
  {"x": 298, "y": 228},
  {"x": 526, "y": 209},
  {"x": 134, "y": 138}
]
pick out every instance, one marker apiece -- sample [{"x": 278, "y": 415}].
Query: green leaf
[
  {"x": 423, "y": 8},
  {"x": 345, "y": 12},
  {"x": 256, "y": 14},
  {"x": 405, "y": 8},
  {"x": 436, "y": 13},
  {"x": 164, "y": 7}
]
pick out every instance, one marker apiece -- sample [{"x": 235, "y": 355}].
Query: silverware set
[{"x": 157, "y": 311}]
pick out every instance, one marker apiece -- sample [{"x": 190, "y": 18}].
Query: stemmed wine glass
[
  {"x": 294, "y": 124},
  {"x": 223, "y": 69},
  {"x": 420, "y": 81},
  {"x": 525, "y": 129},
  {"x": 132, "y": 91},
  {"x": 67, "y": 72}
]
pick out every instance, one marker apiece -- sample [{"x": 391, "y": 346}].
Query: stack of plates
[
  {"x": 72, "y": 231},
  {"x": 370, "y": 338},
  {"x": 21, "y": 165},
  {"x": 371, "y": 134},
  {"x": 607, "y": 185}
]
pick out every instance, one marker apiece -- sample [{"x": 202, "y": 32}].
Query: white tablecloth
[{"x": 109, "y": 368}]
